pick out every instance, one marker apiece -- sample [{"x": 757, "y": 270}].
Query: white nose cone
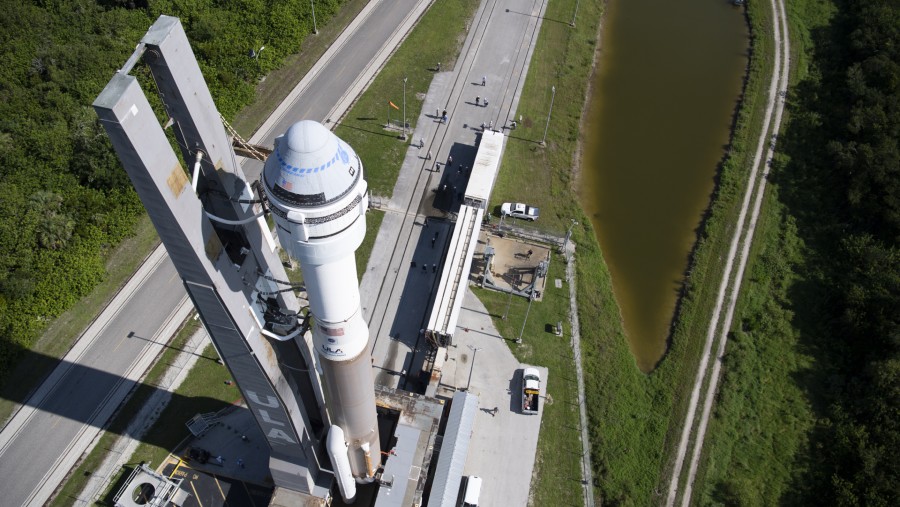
[
  {"x": 311, "y": 166},
  {"x": 317, "y": 193}
]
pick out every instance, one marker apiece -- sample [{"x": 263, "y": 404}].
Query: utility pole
[
  {"x": 472, "y": 367},
  {"x": 572, "y": 24},
  {"x": 530, "y": 299},
  {"x": 404, "y": 108},
  {"x": 552, "y": 96},
  {"x": 313, "y": 6}
]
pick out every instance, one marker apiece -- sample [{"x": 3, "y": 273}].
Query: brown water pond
[{"x": 668, "y": 81}]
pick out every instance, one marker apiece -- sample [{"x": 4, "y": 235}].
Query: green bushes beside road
[{"x": 65, "y": 201}]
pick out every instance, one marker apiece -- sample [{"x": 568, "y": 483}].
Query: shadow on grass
[
  {"x": 354, "y": 127},
  {"x": 170, "y": 347},
  {"x": 96, "y": 385},
  {"x": 523, "y": 139},
  {"x": 544, "y": 18}
]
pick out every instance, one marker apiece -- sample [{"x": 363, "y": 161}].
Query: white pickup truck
[{"x": 531, "y": 390}]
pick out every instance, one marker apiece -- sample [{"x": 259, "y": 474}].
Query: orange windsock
[{"x": 393, "y": 105}]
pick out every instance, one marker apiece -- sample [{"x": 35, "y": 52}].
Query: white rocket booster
[{"x": 318, "y": 198}]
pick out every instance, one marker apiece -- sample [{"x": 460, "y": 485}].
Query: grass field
[
  {"x": 432, "y": 40},
  {"x": 82, "y": 473},
  {"x": 566, "y": 54},
  {"x": 128, "y": 256},
  {"x": 279, "y": 83},
  {"x": 204, "y": 390}
]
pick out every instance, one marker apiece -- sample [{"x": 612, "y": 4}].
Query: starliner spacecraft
[
  {"x": 212, "y": 223},
  {"x": 317, "y": 194}
]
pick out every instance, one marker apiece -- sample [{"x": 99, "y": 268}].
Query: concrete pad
[
  {"x": 514, "y": 264},
  {"x": 503, "y": 446}
]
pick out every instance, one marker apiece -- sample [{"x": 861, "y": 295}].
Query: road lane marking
[{"x": 195, "y": 494}]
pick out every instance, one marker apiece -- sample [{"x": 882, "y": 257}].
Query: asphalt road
[
  {"x": 52, "y": 429},
  {"x": 82, "y": 392}
]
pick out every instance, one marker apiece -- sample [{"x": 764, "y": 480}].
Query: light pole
[
  {"x": 472, "y": 367},
  {"x": 508, "y": 304},
  {"x": 574, "y": 13},
  {"x": 404, "y": 108},
  {"x": 255, "y": 54},
  {"x": 530, "y": 299},
  {"x": 313, "y": 6},
  {"x": 552, "y": 96}
]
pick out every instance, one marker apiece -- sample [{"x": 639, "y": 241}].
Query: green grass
[
  {"x": 632, "y": 416},
  {"x": 129, "y": 255},
  {"x": 757, "y": 440},
  {"x": 434, "y": 39},
  {"x": 634, "y": 419},
  {"x": 674, "y": 378},
  {"x": 557, "y": 472},
  {"x": 561, "y": 52},
  {"x": 204, "y": 390}
]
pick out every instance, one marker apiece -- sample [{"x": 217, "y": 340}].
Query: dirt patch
[{"x": 514, "y": 264}]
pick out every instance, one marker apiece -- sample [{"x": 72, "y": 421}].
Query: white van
[{"x": 473, "y": 490}]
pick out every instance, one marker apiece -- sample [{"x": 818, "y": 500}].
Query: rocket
[{"x": 318, "y": 198}]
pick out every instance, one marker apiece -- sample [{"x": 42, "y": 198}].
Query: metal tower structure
[{"x": 215, "y": 232}]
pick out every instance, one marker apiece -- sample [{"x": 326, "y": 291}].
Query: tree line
[
  {"x": 65, "y": 201},
  {"x": 842, "y": 184}
]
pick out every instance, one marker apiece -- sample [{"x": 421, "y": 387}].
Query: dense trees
[
  {"x": 843, "y": 182},
  {"x": 64, "y": 199}
]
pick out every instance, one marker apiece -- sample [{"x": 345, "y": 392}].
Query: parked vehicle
[
  {"x": 520, "y": 210},
  {"x": 531, "y": 390},
  {"x": 473, "y": 491}
]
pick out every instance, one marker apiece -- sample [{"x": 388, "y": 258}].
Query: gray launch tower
[{"x": 213, "y": 227}]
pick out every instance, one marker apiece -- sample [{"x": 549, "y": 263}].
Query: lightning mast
[{"x": 217, "y": 238}]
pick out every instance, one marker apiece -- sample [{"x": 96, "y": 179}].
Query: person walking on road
[
  {"x": 483, "y": 80},
  {"x": 450, "y": 161},
  {"x": 477, "y": 100},
  {"x": 429, "y": 155}
]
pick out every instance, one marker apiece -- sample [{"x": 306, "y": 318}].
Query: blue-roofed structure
[{"x": 454, "y": 449}]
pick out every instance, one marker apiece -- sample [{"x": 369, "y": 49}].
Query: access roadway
[
  {"x": 63, "y": 417},
  {"x": 402, "y": 277}
]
